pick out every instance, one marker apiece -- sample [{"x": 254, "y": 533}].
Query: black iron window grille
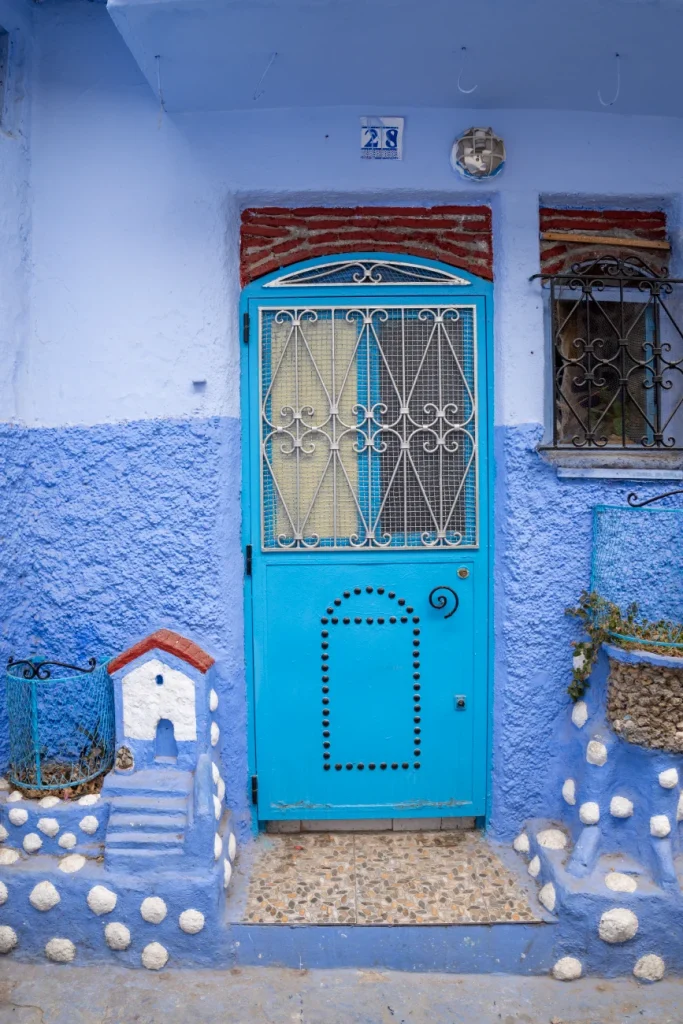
[{"x": 617, "y": 356}]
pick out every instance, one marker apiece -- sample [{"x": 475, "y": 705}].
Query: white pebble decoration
[
  {"x": 215, "y": 774},
  {"x": 3, "y": 833},
  {"x": 668, "y": 779},
  {"x": 679, "y": 809},
  {"x": 48, "y": 826},
  {"x": 660, "y": 826},
  {"x": 580, "y": 714},
  {"x": 4, "y": 784},
  {"x": 18, "y": 816},
  {"x": 8, "y": 938},
  {"x": 14, "y": 796},
  {"x": 101, "y": 900},
  {"x": 73, "y": 862},
  {"x": 89, "y": 824},
  {"x": 62, "y": 951},
  {"x": 153, "y": 909},
  {"x": 618, "y": 925},
  {"x": 117, "y": 936},
  {"x": 215, "y": 734},
  {"x": 596, "y": 753},
  {"x": 217, "y": 808},
  {"x": 567, "y": 969},
  {"x": 649, "y": 968},
  {"x": 217, "y": 846},
  {"x": 569, "y": 792},
  {"x": 191, "y": 921},
  {"x": 620, "y": 807},
  {"x": 213, "y": 700},
  {"x": 32, "y": 842},
  {"x": 227, "y": 873},
  {"x": 547, "y": 896},
  {"x": 154, "y": 956},
  {"x": 44, "y": 896},
  {"x": 88, "y": 800},
  {"x": 67, "y": 841},
  {"x": 3, "y": 893},
  {"x": 220, "y": 788},
  {"x": 534, "y": 867},
  {"x": 232, "y": 846},
  {"x": 8, "y": 857},
  {"x": 552, "y": 839},
  {"x": 521, "y": 843},
  {"x": 589, "y": 813},
  {"x": 49, "y": 801},
  {"x": 617, "y": 881}
]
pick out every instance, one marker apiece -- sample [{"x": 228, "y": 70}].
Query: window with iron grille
[{"x": 617, "y": 357}]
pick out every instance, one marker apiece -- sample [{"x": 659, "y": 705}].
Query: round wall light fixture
[{"x": 478, "y": 154}]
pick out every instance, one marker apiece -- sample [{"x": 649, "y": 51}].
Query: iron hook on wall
[
  {"x": 465, "y": 92},
  {"x": 632, "y": 498},
  {"x": 618, "y": 88}
]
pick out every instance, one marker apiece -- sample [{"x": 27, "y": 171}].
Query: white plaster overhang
[{"x": 389, "y": 54}]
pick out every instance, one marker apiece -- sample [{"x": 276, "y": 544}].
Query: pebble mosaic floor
[{"x": 383, "y": 878}]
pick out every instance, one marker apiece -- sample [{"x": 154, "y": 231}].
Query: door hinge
[
  {"x": 254, "y": 789},
  {"x": 245, "y": 328},
  {"x": 247, "y": 560}
]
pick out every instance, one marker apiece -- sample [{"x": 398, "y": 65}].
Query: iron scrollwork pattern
[
  {"x": 369, "y": 428},
  {"x": 34, "y": 669},
  {"x": 444, "y": 597},
  {"x": 617, "y": 356},
  {"x": 367, "y": 272}
]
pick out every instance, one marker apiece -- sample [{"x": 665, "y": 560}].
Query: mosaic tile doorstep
[{"x": 383, "y": 878}]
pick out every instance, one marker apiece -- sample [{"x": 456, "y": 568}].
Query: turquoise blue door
[{"x": 367, "y": 469}]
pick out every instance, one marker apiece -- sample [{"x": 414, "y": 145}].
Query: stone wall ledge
[{"x": 642, "y": 657}]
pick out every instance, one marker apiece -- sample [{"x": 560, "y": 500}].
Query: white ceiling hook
[
  {"x": 465, "y": 92},
  {"x": 618, "y": 89}
]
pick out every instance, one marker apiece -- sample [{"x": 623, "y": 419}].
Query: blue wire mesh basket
[
  {"x": 61, "y": 726},
  {"x": 638, "y": 560}
]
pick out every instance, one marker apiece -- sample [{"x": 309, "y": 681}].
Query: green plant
[{"x": 604, "y": 622}]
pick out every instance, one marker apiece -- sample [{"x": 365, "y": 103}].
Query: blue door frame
[{"x": 458, "y": 662}]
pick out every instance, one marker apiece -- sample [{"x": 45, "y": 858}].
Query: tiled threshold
[{"x": 383, "y": 878}]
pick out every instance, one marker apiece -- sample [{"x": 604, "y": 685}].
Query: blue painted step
[{"x": 149, "y": 816}]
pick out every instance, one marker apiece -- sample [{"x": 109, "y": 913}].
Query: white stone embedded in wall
[
  {"x": 569, "y": 791},
  {"x": 548, "y": 896},
  {"x": 213, "y": 700},
  {"x": 660, "y": 826},
  {"x": 617, "y": 881},
  {"x": 215, "y": 734},
  {"x": 620, "y": 807},
  {"x": 89, "y": 799},
  {"x": 567, "y": 969},
  {"x": 145, "y": 702},
  {"x": 101, "y": 900},
  {"x": 649, "y": 968},
  {"x": 62, "y": 951},
  {"x": 589, "y": 813},
  {"x": 8, "y": 857},
  {"x": 580, "y": 714},
  {"x": 552, "y": 839},
  {"x": 227, "y": 873},
  {"x": 217, "y": 846},
  {"x": 3, "y": 833},
  {"x": 215, "y": 774},
  {"x": 8, "y": 938},
  {"x": 3, "y": 893},
  {"x": 220, "y": 789},
  {"x": 617, "y": 925},
  {"x": 89, "y": 824},
  {"x": 32, "y": 842},
  {"x": 14, "y": 796},
  {"x": 596, "y": 753},
  {"x": 153, "y": 909},
  {"x": 18, "y": 816},
  {"x": 72, "y": 863},
  {"x": 521, "y": 843},
  {"x": 191, "y": 921},
  {"x": 44, "y": 896},
  {"x": 679, "y": 808},
  {"x": 4, "y": 784},
  {"x": 534, "y": 866},
  {"x": 669, "y": 778},
  {"x": 116, "y": 935},
  {"x": 49, "y": 801},
  {"x": 48, "y": 826},
  {"x": 232, "y": 846},
  {"x": 154, "y": 956},
  {"x": 67, "y": 841},
  {"x": 217, "y": 808}
]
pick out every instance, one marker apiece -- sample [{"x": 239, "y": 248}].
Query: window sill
[{"x": 591, "y": 465}]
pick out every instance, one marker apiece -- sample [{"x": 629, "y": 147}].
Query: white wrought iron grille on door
[{"x": 368, "y": 427}]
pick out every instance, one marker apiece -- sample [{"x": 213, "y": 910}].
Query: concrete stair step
[
  {"x": 152, "y": 840},
  {"x": 166, "y": 782},
  {"x": 125, "y": 821},
  {"x": 149, "y": 804}
]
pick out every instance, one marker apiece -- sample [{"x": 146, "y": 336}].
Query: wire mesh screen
[
  {"x": 368, "y": 427},
  {"x": 638, "y": 559},
  {"x": 61, "y": 729}
]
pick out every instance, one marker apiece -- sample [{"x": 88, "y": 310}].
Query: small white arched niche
[{"x": 153, "y": 691}]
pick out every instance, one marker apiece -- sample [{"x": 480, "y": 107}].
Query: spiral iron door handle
[{"x": 439, "y": 598}]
